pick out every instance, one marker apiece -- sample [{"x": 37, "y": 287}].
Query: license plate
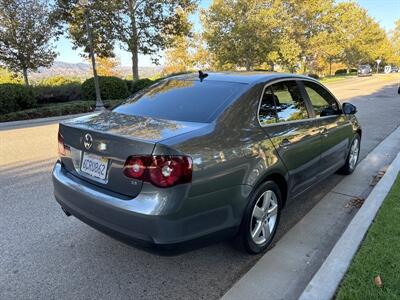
[{"x": 95, "y": 166}]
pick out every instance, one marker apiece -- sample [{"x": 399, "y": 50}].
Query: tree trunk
[
  {"x": 248, "y": 65},
  {"x": 348, "y": 70},
  {"x": 135, "y": 64},
  {"x": 26, "y": 80},
  {"x": 330, "y": 67},
  {"x": 99, "y": 102},
  {"x": 134, "y": 40}
]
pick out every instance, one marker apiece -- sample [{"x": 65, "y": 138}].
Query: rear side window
[
  {"x": 267, "y": 112},
  {"x": 182, "y": 100},
  {"x": 290, "y": 106},
  {"x": 322, "y": 101}
]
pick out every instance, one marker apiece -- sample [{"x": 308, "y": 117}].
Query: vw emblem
[{"x": 88, "y": 141}]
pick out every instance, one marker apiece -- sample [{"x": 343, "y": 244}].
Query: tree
[
  {"x": 187, "y": 54},
  {"x": 327, "y": 49},
  {"x": 27, "y": 29},
  {"x": 360, "y": 35},
  {"x": 303, "y": 22},
  {"x": 72, "y": 13},
  {"x": 178, "y": 58},
  {"x": 241, "y": 33},
  {"x": 107, "y": 66},
  {"x": 289, "y": 52},
  {"x": 395, "y": 40},
  {"x": 146, "y": 27}
]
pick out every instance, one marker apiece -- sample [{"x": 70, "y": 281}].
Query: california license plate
[{"x": 95, "y": 166}]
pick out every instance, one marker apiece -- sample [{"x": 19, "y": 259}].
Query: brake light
[
  {"x": 62, "y": 148},
  {"x": 159, "y": 170}
]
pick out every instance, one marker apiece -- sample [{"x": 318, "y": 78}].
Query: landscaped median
[{"x": 375, "y": 270}]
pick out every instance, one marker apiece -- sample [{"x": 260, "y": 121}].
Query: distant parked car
[
  {"x": 203, "y": 156},
  {"x": 395, "y": 69},
  {"x": 364, "y": 70}
]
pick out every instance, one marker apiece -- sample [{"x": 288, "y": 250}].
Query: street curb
[
  {"x": 325, "y": 282},
  {"x": 40, "y": 121}
]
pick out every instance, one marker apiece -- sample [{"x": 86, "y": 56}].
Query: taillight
[
  {"x": 159, "y": 170},
  {"x": 62, "y": 148}
]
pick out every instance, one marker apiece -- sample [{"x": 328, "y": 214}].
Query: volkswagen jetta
[{"x": 197, "y": 156}]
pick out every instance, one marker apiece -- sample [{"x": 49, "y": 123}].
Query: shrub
[
  {"x": 58, "y": 89},
  {"x": 58, "y": 81},
  {"x": 344, "y": 71},
  {"x": 61, "y": 93},
  {"x": 55, "y": 109},
  {"x": 110, "y": 88},
  {"x": 15, "y": 97},
  {"x": 340, "y": 72},
  {"x": 137, "y": 85},
  {"x": 312, "y": 75}
]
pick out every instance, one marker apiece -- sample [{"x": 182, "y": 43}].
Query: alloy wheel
[
  {"x": 263, "y": 218},
  {"x": 353, "y": 156}
]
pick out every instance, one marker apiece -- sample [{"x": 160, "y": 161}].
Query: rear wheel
[
  {"x": 352, "y": 157},
  {"x": 261, "y": 218}
]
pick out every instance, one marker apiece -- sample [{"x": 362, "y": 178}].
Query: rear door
[
  {"x": 335, "y": 129},
  {"x": 286, "y": 118}
]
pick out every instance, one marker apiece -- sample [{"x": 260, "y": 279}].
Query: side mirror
[{"x": 349, "y": 109}]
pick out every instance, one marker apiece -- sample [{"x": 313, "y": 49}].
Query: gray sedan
[{"x": 204, "y": 156}]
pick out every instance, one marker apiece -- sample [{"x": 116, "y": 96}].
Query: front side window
[
  {"x": 290, "y": 106},
  {"x": 322, "y": 101}
]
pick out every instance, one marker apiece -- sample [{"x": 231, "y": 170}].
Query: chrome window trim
[{"x": 267, "y": 85}]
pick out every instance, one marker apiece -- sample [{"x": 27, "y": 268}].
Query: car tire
[
  {"x": 259, "y": 224},
  {"x": 352, "y": 156}
]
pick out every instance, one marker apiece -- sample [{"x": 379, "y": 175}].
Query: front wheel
[
  {"x": 352, "y": 157},
  {"x": 261, "y": 218}
]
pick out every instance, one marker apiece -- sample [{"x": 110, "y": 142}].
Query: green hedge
[
  {"x": 137, "y": 85},
  {"x": 14, "y": 97},
  {"x": 58, "y": 89},
  {"x": 344, "y": 71},
  {"x": 53, "y": 110},
  {"x": 110, "y": 88},
  {"x": 62, "y": 93}
]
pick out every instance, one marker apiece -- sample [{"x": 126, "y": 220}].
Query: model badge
[{"x": 87, "y": 141}]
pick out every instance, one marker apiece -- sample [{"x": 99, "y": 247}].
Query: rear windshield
[{"x": 182, "y": 100}]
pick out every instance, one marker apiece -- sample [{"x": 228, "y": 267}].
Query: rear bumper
[{"x": 140, "y": 221}]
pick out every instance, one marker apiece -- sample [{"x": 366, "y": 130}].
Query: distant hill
[{"x": 83, "y": 70}]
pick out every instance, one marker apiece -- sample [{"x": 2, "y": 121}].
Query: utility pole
[{"x": 99, "y": 102}]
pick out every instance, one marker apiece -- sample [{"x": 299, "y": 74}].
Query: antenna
[{"x": 202, "y": 75}]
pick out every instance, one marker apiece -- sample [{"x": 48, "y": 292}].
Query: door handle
[
  {"x": 324, "y": 132},
  {"x": 285, "y": 144}
]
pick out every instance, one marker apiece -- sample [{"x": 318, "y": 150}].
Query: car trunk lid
[{"x": 112, "y": 137}]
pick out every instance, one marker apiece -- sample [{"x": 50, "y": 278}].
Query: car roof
[{"x": 240, "y": 77}]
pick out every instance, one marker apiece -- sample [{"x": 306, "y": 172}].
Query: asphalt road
[{"x": 45, "y": 255}]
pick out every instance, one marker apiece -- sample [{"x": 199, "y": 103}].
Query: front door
[{"x": 335, "y": 129}]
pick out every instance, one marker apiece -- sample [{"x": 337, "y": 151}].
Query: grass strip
[{"x": 379, "y": 255}]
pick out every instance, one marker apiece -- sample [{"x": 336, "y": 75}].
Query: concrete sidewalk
[
  {"x": 285, "y": 271},
  {"x": 325, "y": 282}
]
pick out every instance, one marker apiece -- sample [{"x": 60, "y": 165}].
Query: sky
[{"x": 386, "y": 12}]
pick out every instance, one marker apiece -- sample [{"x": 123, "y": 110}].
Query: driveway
[{"x": 47, "y": 255}]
